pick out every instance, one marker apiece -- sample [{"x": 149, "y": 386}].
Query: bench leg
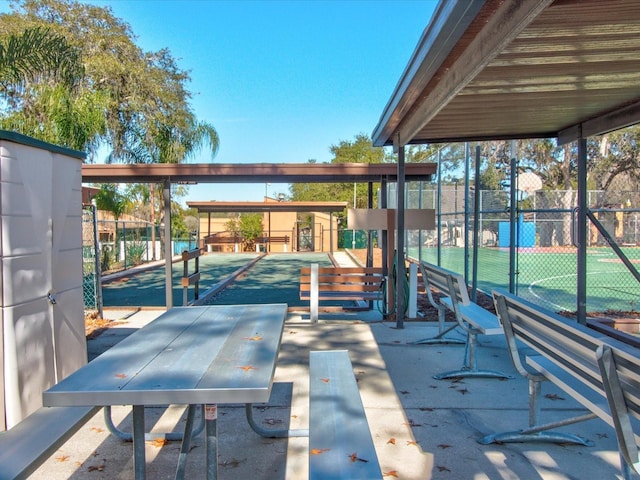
[
  {"x": 628, "y": 472},
  {"x": 469, "y": 365},
  {"x": 440, "y": 338},
  {"x": 314, "y": 294},
  {"x": 537, "y": 432}
]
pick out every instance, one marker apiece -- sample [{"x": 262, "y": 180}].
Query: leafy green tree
[
  {"x": 134, "y": 102},
  {"x": 110, "y": 200},
  {"x": 614, "y": 160},
  {"x": 247, "y": 226},
  {"x": 40, "y": 78},
  {"x": 360, "y": 150},
  {"x": 141, "y": 96}
]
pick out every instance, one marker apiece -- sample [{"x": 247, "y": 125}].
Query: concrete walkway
[{"x": 422, "y": 428}]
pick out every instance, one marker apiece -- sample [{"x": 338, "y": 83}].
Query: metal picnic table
[{"x": 197, "y": 356}]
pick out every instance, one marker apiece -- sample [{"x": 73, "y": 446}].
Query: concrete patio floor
[{"x": 422, "y": 428}]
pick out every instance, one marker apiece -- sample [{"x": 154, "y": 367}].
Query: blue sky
[{"x": 281, "y": 81}]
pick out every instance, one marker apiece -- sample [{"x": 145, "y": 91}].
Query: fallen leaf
[
  {"x": 325, "y": 380},
  {"x": 355, "y": 458},
  {"x": 442, "y": 469},
  {"x": 404, "y": 392},
  {"x": 553, "y": 396},
  {"x": 271, "y": 421},
  {"x": 412, "y": 442},
  {"x": 233, "y": 463},
  {"x": 246, "y": 368},
  {"x": 158, "y": 442},
  {"x": 62, "y": 458},
  {"x": 121, "y": 375},
  {"x": 318, "y": 451},
  {"x": 392, "y": 441},
  {"x": 255, "y": 338},
  {"x": 444, "y": 446},
  {"x": 95, "y": 468},
  {"x": 390, "y": 473},
  {"x": 97, "y": 429}
]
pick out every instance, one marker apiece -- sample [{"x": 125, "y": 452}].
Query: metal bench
[
  {"x": 470, "y": 317},
  {"x": 620, "y": 370},
  {"x": 28, "y": 444},
  {"x": 589, "y": 366},
  {"x": 338, "y": 283},
  {"x": 340, "y": 443}
]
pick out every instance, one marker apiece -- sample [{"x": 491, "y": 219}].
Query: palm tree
[
  {"x": 38, "y": 52},
  {"x": 168, "y": 143}
]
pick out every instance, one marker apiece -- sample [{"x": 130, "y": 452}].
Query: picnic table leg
[
  {"x": 149, "y": 436},
  {"x": 186, "y": 442},
  {"x": 271, "y": 433},
  {"x": 139, "y": 462},
  {"x": 211, "y": 429}
]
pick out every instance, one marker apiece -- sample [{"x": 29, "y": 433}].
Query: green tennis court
[{"x": 547, "y": 277}]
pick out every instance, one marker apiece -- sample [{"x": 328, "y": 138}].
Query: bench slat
[
  {"x": 342, "y": 278},
  {"x": 343, "y": 296},
  {"x": 33, "y": 440},
  {"x": 347, "y": 287},
  {"x": 338, "y": 425},
  {"x": 343, "y": 270}
]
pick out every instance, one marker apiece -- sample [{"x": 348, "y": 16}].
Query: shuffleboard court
[
  {"x": 274, "y": 279},
  {"x": 147, "y": 288}
]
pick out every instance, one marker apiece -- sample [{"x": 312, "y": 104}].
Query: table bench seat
[
  {"x": 340, "y": 443},
  {"x": 31, "y": 442}
]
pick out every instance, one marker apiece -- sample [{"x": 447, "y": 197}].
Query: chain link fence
[
  {"x": 91, "y": 285},
  {"x": 126, "y": 244},
  {"x": 529, "y": 249}
]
